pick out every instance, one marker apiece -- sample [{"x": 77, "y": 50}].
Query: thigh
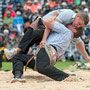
[{"x": 42, "y": 59}]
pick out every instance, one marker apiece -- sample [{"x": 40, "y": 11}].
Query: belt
[
  {"x": 53, "y": 47},
  {"x": 46, "y": 48}
]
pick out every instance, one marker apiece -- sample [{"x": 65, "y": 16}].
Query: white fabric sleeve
[
  {"x": 77, "y": 40},
  {"x": 48, "y": 15},
  {"x": 58, "y": 27},
  {"x": 66, "y": 16}
]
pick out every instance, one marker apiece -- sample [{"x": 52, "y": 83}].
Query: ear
[{"x": 78, "y": 15}]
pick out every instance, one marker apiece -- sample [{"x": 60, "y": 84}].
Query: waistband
[{"x": 53, "y": 47}]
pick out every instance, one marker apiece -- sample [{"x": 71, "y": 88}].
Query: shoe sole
[{"x": 17, "y": 80}]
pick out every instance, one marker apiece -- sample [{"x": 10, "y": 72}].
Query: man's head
[
  {"x": 29, "y": 3},
  {"x": 18, "y": 13},
  {"x": 8, "y": 14},
  {"x": 79, "y": 33},
  {"x": 81, "y": 19},
  {"x": 9, "y": 8}
]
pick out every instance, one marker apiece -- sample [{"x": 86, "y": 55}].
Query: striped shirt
[{"x": 60, "y": 36}]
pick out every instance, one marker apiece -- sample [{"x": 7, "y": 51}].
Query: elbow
[
  {"x": 49, "y": 24},
  {"x": 46, "y": 22}
]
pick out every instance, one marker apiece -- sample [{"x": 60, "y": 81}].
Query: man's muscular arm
[
  {"x": 81, "y": 48},
  {"x": 47, "y": 30}
]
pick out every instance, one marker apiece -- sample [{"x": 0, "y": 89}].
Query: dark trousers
[
  {"x": 20, "y": 60},
  {"x": 42, "y": 60},
  {"x": 42, "y": 65},
  {"x": 30, "y": 38}
]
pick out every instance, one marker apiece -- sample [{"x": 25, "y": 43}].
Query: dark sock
[{"x": 18, "y": 74}]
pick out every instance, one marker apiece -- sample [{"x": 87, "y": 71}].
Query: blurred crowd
[{"x": 19, "y": 14}]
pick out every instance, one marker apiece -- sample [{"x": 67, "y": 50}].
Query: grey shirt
[{"x": 66, "y": 16}]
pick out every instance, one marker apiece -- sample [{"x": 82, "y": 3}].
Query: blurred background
[{"x": 17, "y": 15}]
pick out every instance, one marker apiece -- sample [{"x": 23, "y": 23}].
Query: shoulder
[{"x": 67, "y": 11}]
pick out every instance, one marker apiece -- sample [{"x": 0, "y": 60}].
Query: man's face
[
  {"x": 78, "y": 22},
  {"x": 8, "y": 15}
]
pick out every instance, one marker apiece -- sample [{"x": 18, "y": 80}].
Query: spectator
[
  {"x": 86, "y": 41},
  {"x": 35, "y": 15},
  {"x": 18, "y": 8},
  {"x": 5, "y": 26},
  {"x": 16, "y": 2},
  {"x": 35, "y": 6},
  {"x": 6, "y": 36},
  {"x": 4, "y": 6},
  {"x": 13, "y": 14},
  {"x": 18, "y": 37},
  {"x": 12, "y": 41},
  {"x": 14, "y": 31},
  {"x": 83, "y": 5},
  {"x": 2, "y": 40},
  {"x": 10, "y": 28},
  {"x": 52, "y": 3},
  {"x": 19, "y": 22},
  {"x": 27, "y": 5},
  {"x": 20, "y": 1},
  {"x": 63, "y": 5},
  {"x": 73, "y": 6},
  {"x": 70, "y": 1},
  {"x": 23, "y": 2},
  {"x": 1, "y": 49},
  {"x": 27, "y": 16},
  {"x": 8, "y": 19},
  {"x": 57, "y": 6},
  {"x": 86, "y": 10},
  {"x": 39, "y": 10},
  {"x": 87, "y": 31},
  {"x": 47, "y": 9}
]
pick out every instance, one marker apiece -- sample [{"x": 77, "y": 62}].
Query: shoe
[
  {"x": 73, "y": 78},
  {"x": 18, "y": 80},
  {"x": 10, "y": 53},
  {"x": 74, "y": 75}
]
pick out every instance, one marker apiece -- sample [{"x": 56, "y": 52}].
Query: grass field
[{"x": 60, "y": 65}]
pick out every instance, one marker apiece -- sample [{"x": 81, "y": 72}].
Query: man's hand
[
  {"x": 88, "y": 59},
  {"x": 71, "y": 28},
  {"x": 43, "y": 42},
  {"x": 56, "y": 13}
]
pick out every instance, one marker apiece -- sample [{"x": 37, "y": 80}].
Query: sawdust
[{"x": 37, "y": 81}]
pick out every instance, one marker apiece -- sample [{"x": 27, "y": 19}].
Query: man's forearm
[
  {"x": 81, "y": 48},
  {"x": 46, "y": 33}
]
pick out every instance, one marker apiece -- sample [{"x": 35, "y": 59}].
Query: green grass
[
  {"x": 6, "y": 66},
  {"x": 60, "y": 65},
  {"x": 64, "y": 65}
]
